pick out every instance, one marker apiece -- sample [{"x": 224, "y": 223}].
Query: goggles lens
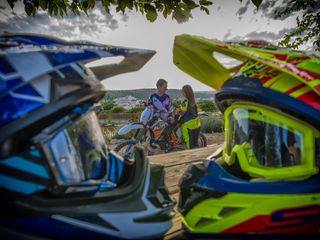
[
  {"x": 270, "y": 144},
  {"x": 274, "y": 143},
  {"x": 78, "y": 151}
]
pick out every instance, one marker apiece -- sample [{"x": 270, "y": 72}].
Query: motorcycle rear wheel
[{"x": 202, "y": 140}]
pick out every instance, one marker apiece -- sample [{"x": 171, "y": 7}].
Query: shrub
[
  {"x": 117, "y": 109},
  {"x": 107, "y": 105},
  {"x": 136, "y": 109},
  {"x": 207, "y": 105},
  {"x": 212, "y": 124},
  {"x": 128, "y": 136},
  {"x": 108, "y": 130},
  {"x": 134, "y": 117}
]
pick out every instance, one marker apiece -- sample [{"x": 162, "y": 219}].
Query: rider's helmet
[
  {"x": 58, "y": 179},
  {"x": 269, "y": 165}
]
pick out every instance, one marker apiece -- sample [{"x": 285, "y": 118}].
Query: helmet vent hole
[
  {"x": 226, "y": 61},
  {"x": 204, "y": 221},
  {"x": 228, "y": 211}
]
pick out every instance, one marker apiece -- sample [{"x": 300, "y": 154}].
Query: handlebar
[{"x": 158, "y": 111}]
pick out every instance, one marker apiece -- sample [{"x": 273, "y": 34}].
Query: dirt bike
[{"x": 152, "y": 133}]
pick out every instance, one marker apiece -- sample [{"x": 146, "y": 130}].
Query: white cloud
[
  {"x": 268, "y": 36},
  {"x": 272, "y": 37},
  {"x": 69, "y": 26}
]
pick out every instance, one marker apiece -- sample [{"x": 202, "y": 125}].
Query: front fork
[{"x": 145, "y": 135}]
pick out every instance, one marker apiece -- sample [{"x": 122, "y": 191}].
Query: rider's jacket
[
  {"x": 162, "y": 104},
  {"x": 189, "y": 114}
]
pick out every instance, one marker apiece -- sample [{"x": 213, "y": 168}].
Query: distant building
[{"x": 127, "y": 102}]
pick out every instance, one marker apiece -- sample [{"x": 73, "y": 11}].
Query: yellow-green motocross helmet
[{"x": 266, "y": 178}]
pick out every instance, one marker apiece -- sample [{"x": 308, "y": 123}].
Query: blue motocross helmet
[{"x": 58, "y": 179}]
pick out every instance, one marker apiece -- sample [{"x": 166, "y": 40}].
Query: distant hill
[{"x": 145, "y": 93}]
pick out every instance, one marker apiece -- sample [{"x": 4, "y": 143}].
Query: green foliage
[
  {"x": 176, "y": 102},
  {"x": 179, "y": 10},
  {"x": 106, "y": 105},
  {"x": 136, "y": 109},
  {"x": 118, "y": 109},
  {"x": 212, "y": 123},
  {"x": 257, "y": 3},
  {"x": 207, "y": 105},
  {"x": 151, "y": 12},
  {"x": 308, "y": 27},
  {"x": 108, "y": 129},
  {"x": 127, "y": 136}
]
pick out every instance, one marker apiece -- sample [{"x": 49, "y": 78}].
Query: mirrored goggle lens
[
  {"x": 78, "y": 152},
  {"x": 274, "y": 143}
]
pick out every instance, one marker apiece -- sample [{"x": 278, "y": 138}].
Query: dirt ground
[{"x": 214, "y": 138}]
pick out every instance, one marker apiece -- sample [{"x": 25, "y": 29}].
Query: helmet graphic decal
[
  {"x": 37, "y": 71},
  {"x": 275, "y": 67}
]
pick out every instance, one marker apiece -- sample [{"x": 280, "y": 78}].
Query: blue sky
[{"x": 228, "y": 20}]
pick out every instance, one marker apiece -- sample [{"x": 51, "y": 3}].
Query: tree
[
  {"x": 207, "y": 105},
  {"x": 180, "y": 10},
  {"x": 308, "y": 27}
]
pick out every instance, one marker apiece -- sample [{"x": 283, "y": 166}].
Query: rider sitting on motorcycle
[
  {"x": 162, "y": 104},
  {"x": 188, "y": 117},
  {"x": 161, "y": 101}
]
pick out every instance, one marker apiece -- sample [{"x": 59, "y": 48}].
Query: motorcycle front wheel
[{"x": 126, "y": 149}]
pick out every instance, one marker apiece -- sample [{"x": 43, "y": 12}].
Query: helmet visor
[
  {"x": 78, "y": 152},
  {"x": 272, "y": 139}
]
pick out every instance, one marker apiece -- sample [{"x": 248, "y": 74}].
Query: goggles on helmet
[
  {"x": 269, "y": 143},
  {"x": 76, "y": 150}
]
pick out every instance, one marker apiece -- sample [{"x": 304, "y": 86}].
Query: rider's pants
[{"x": 190, "y": 132}]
